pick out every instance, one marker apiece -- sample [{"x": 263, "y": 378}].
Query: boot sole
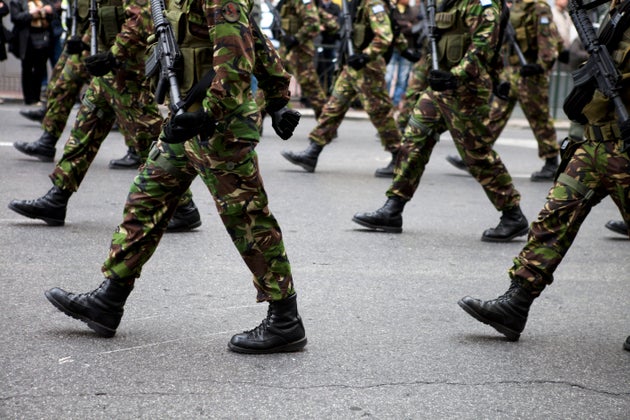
[
  {"x": 119, "y": 166},
  {"x": 509, "y": 333},
  {"x": 388, "y": 229},
  {"x": 307, "y": 168},
  {"x": 49, "y": 221},
  {"x": 100, "y": 329},
  {"x": 521, "y": 232},
  {"x": 287, "y": 348}
]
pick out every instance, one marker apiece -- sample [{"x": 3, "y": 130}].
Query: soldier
[
  {"x": 220, "y": 136},
  {"x": 300, "y": 22},
  {"x": 457, "y": 99},
  {"x": 597, "y": 167},
  {"x": 118, "y": 91},
  {"x": 538, "y": 39},
  {"x": 329, "y": 16},
  {"x": 68, "y": 78},
  {"x": 362, "y": 75}
]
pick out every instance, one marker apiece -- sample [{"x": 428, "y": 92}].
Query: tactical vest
[
  {"x": 523, "y": 20},
  {"x": 111, "y": 16},
  {"x": 289, "y": 17},
  {"x": 454, "y": 37},
  {"x": 362, "y": 33},
  {"x": 191, "y": 31}
]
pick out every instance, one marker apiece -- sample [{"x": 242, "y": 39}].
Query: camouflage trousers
[
  {"x": 107, "y": 98},
  {"x": 464, "y": 113},
  {"x": 532, "y": 93},
  {"x": 300, "y": 63},
  {"x": 416, "y": 84},
  {"x": 596, "y": 170},
  {"x": 69, "y": 77},
  {"x": 369, "y": 85},
  {"x": 229, "y": 168}
]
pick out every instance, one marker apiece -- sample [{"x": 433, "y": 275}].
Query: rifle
[
  {"x": 166, "y": 58},
  {"x": 346, "y": 38},
  {"x": 276, "y": 25},
  {"x": 93, "y": 19},
  {"x": 432, "y": 30},
  {"x": 599, "y": 68},
  {"x": 510, "y": 37}
]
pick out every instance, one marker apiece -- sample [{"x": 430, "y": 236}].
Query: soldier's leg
[
  {"x": 151, "y": 201},
  {"x": 420, "y": 137},
  {"x": 229, "y": 168},
  {"x": 332, "y": 114},
  {"x": 379, "y": 107},
  {"x": 62, "y": 96},
  {"x": 94, "y": 120},
  {"x": 305, "y": 73},
  {"x": 534, "y": 99}
]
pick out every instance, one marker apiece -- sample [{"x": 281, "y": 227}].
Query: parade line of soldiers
[{"x": 473, "y": 60}]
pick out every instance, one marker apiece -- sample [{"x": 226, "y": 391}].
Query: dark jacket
[
  {"x": 5, "y": 35},
  {"x": 22, "y": 30}
]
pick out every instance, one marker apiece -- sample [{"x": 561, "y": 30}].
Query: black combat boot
[
  {"x": 626, "y": 345},
  {"x": 618, "y": 226},
  {"x": 42, "y": 148},
  {"x": 51, "y": 208},
  {"x": 306, "y": 159},
  {"x": 130, "y": 161},
  {"x": 457, "y": 162},
  {"x": 548, "y": 171},
  {"x": 100, "y": 309},
  {"x": 506, "y": 314},
  {"x": 388, "y": 218},
  {"x": 388, "y": 171},
  {"x": 186, "y": 218},
  {"x": 513, "y": 223},
  {"x": 36, "y": 115},
  {"x": 281, "y": 331}
]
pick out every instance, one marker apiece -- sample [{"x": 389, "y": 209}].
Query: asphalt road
[{"x": 386, "y": 337}]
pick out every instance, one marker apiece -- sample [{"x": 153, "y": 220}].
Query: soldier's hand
[
  {"x": 284, "y": 122},
  {"x": 75, "y": 45},
  {"x": 501, "y": 90},
  {"x": 441, "y": 80},
  {"x": 358, "y": 61},
  {"x": 289, "y": 41},
  {"x": 564, "y": 56},
  {"x": 100, "y": 64},
  {"x": 187, "y": 125},
  {"x": 531, "y": 70},
  {"x": 412, "y": 55}
]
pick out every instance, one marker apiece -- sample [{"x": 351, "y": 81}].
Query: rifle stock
[{"x": 600, "y": 66}]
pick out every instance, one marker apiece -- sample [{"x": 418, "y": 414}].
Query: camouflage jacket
[
  {"x": 131, "y": 42},
  {"x": 372, "y": 29},
  {"x": 300, "y": 18},
  {"x": 537, "y": 35},
  {"x": 475, "y": 24}
]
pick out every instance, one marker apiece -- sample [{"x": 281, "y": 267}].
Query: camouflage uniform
[
  {"x": 227, "y": 164},
  {"x": 217, "y": 36},
  {"x": 300, "y": 19},
  {"x": 372, "y": 39},
  {"x": 538, "y": 39},
  {"x": 597, "y": 168},
  {"x": 416, "y": 84},
  {"x": 461, "y": 111},
  {"x": 122, "y": 95}
]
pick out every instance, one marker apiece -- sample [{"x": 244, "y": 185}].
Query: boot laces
[{"x": 262, "y": 327}]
